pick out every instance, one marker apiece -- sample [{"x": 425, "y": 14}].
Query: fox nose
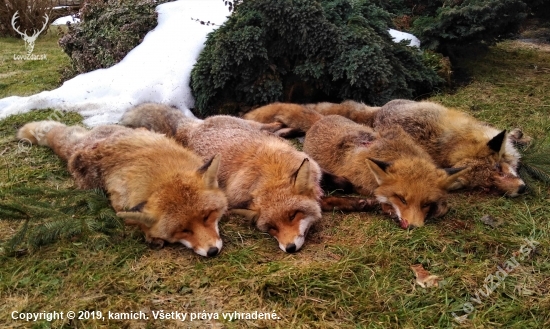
[
  {"x": 522, "y": 188},
  {"x": 403, "y": 223},
  {"x": 212, "y": 251},
  {"x": 290, "y": 248}
]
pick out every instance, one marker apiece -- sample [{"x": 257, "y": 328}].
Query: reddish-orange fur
[
  {"x": 294, "y": 118},
  {"x": 388, "y": 165},
  {"x": 352, "y": 110},
  {"x": 263, "y": 176},
  {"x": 456, "y": 139},
  {"x": 152, "y": 181}
]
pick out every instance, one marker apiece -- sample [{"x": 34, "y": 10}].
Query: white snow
[
  {"x": 158, "y": 70},
  {"x": 63, "y": 20},
  {"x": 398, "y": 36}
]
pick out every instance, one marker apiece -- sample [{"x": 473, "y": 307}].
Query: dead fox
[
  {"x": 263, "y": 176},
  {"x": 152, "y": 181},
  {"x": 456, "y": 139},
  {"x": 296, "y": 119},
  {"x": 352, "y": 110},
  {"x": 387, "y": 164}
]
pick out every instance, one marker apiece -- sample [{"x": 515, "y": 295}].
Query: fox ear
[
  {"x": 498, "y": 142},
  {"x": 137, "y": 218},
  {"x": 451, "y": 181},
  {"x": 209, "y": 172},
  {"x": 302, "y": 181},
  {"x": 439, "y": 209},
  {"x": 246, "y": 213},
  {"x": 378, "y": 169}
]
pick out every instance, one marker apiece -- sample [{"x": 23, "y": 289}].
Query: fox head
[
  {"x": 493, "y": 166},
  {"x": 412, "y": 189},
  {"x": 287, "y": 211},
  {"x": 186, "y": 209}
]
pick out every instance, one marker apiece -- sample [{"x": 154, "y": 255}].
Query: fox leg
[{"x": 330, "y": 203}]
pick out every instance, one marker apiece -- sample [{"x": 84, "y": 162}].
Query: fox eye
[
  {"x": 187, "y": 231},
  {"x": 402, "y": 199},
  {"x": 272, "y": 229},
  {"x": 293, "y": 216},
  {"x": 207, "y": 217}
]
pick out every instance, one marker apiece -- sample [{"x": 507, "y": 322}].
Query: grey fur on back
[{"x": 155, "y": 117}]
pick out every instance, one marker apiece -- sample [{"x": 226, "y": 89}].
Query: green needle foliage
[
  {"x": 306, "y": 50},
  {"x": 51, "y": 215},
  {"x": 535, "y": 164},
  {"x": 464, "y": 22},
  {"x": 107, "y": 32},
  {"x": 450, "y": 25}
]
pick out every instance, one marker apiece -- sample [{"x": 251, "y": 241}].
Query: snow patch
[
  {"x": 66, "y": 19},
  {"x": 398, "y": 36},
  {"x": 158, "y": 70}
]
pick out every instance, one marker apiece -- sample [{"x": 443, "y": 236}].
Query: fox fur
[
  {"x": 152, "y": 181},
  {"x": 452, "y": 138},
  {"x": 295, "y": 119},
  {"x": 264, "y": 177},
  {"x": 352, "y": 110},
  {"x": 387, "y": 164},
  {"x": 456, "y": 139}
]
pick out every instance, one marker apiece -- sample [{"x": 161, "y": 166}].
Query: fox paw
[
  {"x": 517, "y": 137},
  {"x": 156, "y": 243}
]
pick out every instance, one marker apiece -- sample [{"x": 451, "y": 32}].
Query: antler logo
[{"x": 29, "y": 39}]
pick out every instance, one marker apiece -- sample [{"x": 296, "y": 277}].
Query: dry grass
[{"x": 353, "y": 271}]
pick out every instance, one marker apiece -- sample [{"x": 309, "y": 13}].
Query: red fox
[
  {"x": 452, "y": 138},
  {"x": 352, "y": 110},
  {"x": 455, "y": 139},
  {"x": 387, "y": 164},
  {"x": 152, "y": 181},
  {"x": 263, "y": 176},
  {"x": 294, "y": 119}
]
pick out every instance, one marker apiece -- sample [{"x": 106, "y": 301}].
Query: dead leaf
[
  {"x": 491, "y": 221},
  {"x": 424, "y": 278}
]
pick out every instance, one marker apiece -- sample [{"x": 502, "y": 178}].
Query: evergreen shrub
[
  {"x": 469, "y": 22},
  {"x": 108, "y": 30},
  {"x": 306, "y": 50}
]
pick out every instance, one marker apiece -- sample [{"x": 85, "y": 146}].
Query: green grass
[
  {"x": 26, "y": 77},
  {"x": 352, "y": 273}
]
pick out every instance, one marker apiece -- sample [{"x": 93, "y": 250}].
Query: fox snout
[
  {"x": 412, "y": 217},
  {"x": 291, "y": 236},
  {"x": 209, "y": 250},
  {"x": 512, "y": 187},
  {"x": 507, "y": 180},
  {"x": 203, "y": 238}
]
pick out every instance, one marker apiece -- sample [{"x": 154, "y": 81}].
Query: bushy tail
[
  {"x": 55, "y": 135},
  {"x": 156, "y": 117},
  {"x": 37, "y": 132}
]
